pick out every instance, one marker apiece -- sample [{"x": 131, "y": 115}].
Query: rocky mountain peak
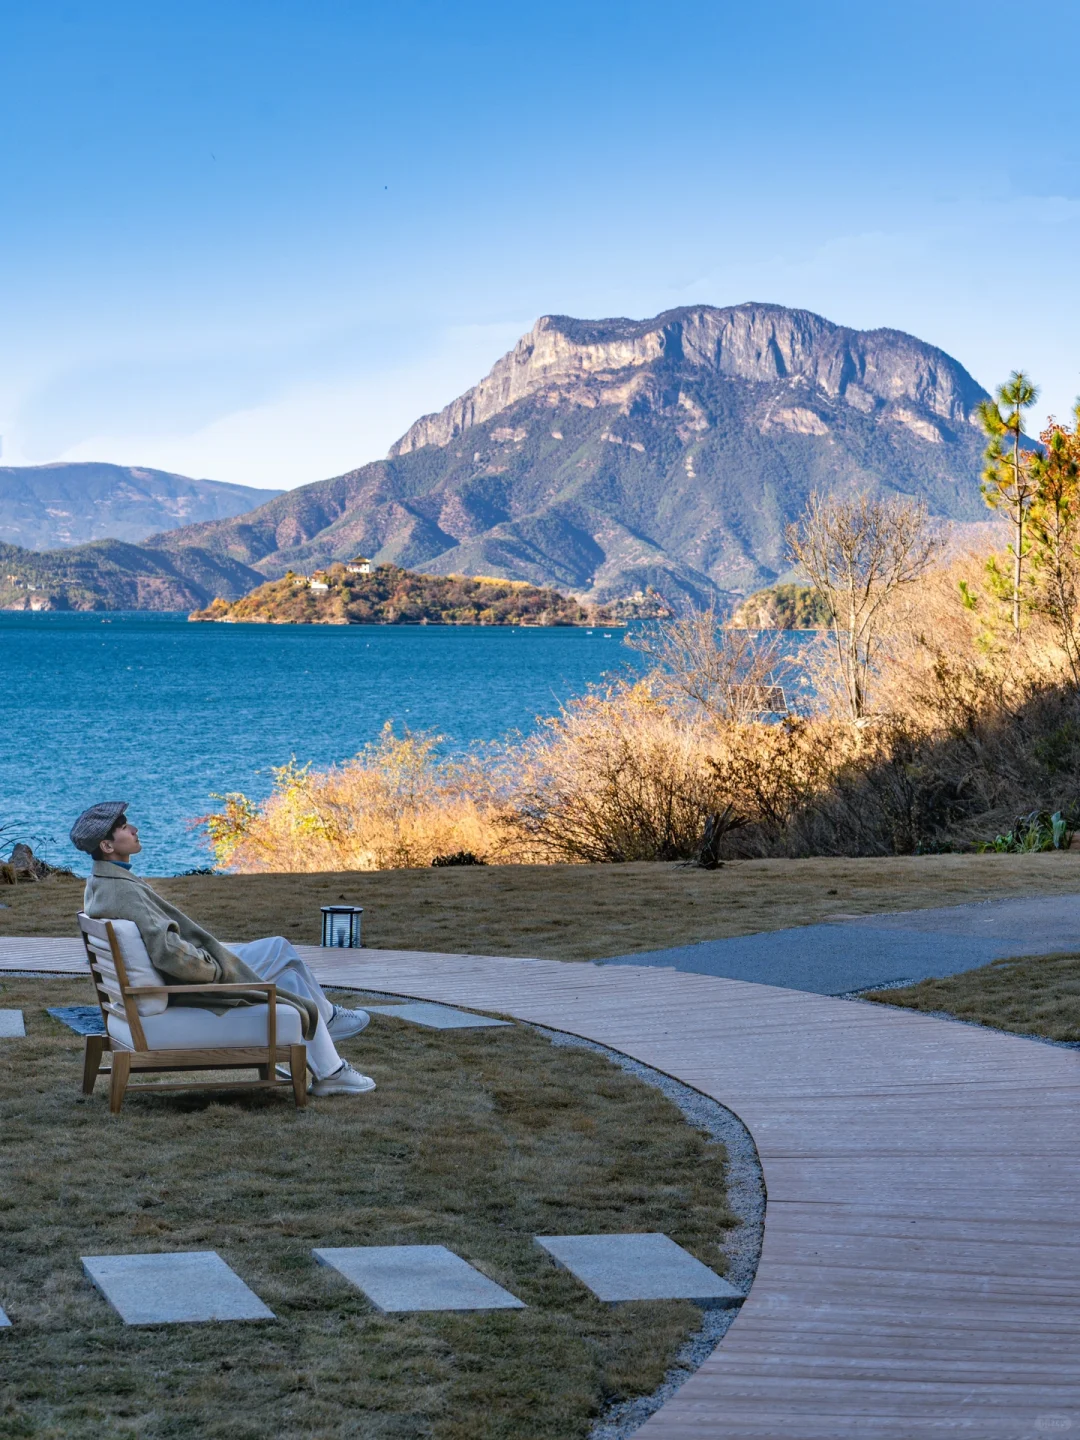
[
  {"x": 591, "y": 362},
  {"x": 613, "y": 457}
]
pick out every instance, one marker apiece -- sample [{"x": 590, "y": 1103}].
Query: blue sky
[{"x": 255, "y": 241}]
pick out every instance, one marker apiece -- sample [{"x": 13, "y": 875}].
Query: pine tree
[
  {"x": 1007, "y": 481},
  {"x": 1055, "y": 531}
]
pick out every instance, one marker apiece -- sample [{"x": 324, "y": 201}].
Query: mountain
[
  {"x": 44, "y": 506},
  {"x": 604, "y": 456},
  {"x": 112, "y": 575}
]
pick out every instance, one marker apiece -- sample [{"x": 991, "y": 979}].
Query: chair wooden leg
[
  {"x": 298, "y": 1070},
  {"x": 95, "y": 1049},
  {"x": 121, "y": 1069}
]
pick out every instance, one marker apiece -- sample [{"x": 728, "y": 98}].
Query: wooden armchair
[{"x": 190, "y": 1038}]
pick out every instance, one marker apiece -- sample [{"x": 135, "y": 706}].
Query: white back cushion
[{"x": 138, "y": 967}]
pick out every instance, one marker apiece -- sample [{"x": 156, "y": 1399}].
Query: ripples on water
[{"x": 151, "y": 709}]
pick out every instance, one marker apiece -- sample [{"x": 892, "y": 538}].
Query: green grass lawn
[
  {"x": 477, "y": 1140},
  {"x": 1037, "y": 995}
]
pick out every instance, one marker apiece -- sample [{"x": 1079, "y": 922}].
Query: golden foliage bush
[
  {"x": 619, "y": 774},
  {"x": 394, "y": 806}
]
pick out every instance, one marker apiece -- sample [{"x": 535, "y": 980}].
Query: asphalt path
[{"x": 854, "y": 953}]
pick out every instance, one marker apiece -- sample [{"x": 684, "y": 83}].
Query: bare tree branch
[
  {"x": 732, "y": 676},
  {"x": 857, "y": 554}
]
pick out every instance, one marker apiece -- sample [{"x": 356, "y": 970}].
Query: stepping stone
[
  {"x": 171, "y": 1289},
  {"x": 11, "y": 1024},
  {"x": 3, "y": 1320},
  {"x": 436, "y": 1017},
  {"x": 83, "y": 1019},
  {"x": 638, "y": 1267},
  {"x": 417, "y": 1277}
]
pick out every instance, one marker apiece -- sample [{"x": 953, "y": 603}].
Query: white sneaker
[
  {"x": 343, "y": 1024},
  {"x": 345, "y": 1081}
]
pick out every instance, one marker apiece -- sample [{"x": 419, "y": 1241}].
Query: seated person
[{"x": 187, "y": 954}]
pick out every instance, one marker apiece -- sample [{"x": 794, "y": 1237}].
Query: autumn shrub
[
  {"x": 395, "y": 805},
  {"x": 966, "y": 731},
  {"x": 621, "y": 773}
]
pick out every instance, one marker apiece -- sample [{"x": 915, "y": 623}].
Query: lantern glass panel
[{"x": 341, "y": 926}]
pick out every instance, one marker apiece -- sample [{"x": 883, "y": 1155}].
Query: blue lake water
[{"x": 162, "y": 713}]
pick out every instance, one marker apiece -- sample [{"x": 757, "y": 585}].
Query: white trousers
[{"x": 275, "y": 959}]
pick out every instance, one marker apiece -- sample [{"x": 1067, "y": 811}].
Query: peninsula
[{"x": 360, "y": 593}]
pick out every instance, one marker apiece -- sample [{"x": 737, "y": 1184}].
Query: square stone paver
[
  {"x": 11, "y": 1024},
  {"x": 638, "y": 1267},
  {"x": 437, "y": 1017},
  {"x": 170, "y": 1289},
  {"x": 83, "y": 1019},
  {"x": 417, "y": 1277}
]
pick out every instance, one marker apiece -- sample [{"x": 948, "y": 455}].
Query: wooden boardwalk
[{"x": 920, "y": 1275}]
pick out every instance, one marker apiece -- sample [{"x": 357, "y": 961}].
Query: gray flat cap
[{"x": 94, "y": 824}]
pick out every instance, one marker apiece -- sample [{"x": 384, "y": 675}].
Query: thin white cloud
[{"x": 310, "y": 431}]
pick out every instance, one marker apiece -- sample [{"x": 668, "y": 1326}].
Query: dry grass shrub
[
  {"x": 395, "y": 806},
  {"x": 475, "y": 1139},
  {"x": 618, "y": 775},
  {"x": 967, "y": 730},
  {"x": 716, "y": 674},
  {"x": 984, "y": 728}
]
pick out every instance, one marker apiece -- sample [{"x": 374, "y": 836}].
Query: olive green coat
[{"x": 177, "y": 946}]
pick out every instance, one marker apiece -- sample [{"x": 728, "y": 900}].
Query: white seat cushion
[
  {"x": 188, "y": 1027},
  {"x": 138, "y": 967}
]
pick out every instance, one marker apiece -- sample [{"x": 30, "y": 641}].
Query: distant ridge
[
  {"x": 45, "y": 506},
  {"x": 112, "y": 575},
  {"x": 604, "y": 456},
  {"x": 598, "y": 457}
]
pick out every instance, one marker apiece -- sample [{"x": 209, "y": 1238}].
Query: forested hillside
[{"x": 392, "y": 596}]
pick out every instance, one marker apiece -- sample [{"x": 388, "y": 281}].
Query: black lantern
[{"x": 341, "y": 926}]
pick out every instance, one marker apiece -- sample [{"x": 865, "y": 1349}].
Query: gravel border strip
[{"x": 742, "y": 1245}]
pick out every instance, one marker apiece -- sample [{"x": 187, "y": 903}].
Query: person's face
[{"x": 123, "y": 843}]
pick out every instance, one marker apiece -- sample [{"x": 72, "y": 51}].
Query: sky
[{"x": 254, "y": 241}]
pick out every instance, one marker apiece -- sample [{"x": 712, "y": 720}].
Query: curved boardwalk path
[{"x": 921, "y": 1267}]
